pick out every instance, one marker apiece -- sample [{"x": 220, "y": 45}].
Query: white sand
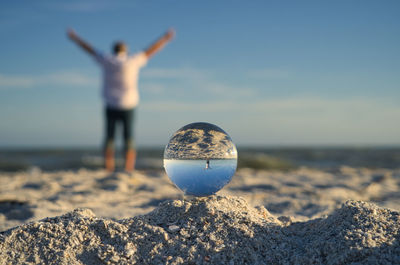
[{"x": 209, "y": 230}]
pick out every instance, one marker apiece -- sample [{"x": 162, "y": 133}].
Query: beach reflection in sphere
[{"x": 200, "y": 159}]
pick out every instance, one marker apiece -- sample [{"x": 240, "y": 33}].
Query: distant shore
[{"x": 280, "y": 158}]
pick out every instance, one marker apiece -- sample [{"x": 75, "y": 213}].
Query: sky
[{"x": 270, "y": 73}]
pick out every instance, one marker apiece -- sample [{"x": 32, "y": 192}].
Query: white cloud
[
  {"x": 70, "y": 78},
  {"x": 268, "y": 73},
  {"x": 7, "y": 81},
  {"x": 293, "y": 121},
  {"x": 85, "y": 6},
  {"x": 153, "y": 88},
  {"x": 175, "y": 73},
  {"x": 190, "y": 83},
  {"x": 56, "y": 78},
  {"x": 193, "y": 73},
  {"x": 171, "y": 105},
  {"x": 337, "y": 112}
]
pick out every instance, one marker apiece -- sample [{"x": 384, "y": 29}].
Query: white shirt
[{"x": 120, "y": 79}]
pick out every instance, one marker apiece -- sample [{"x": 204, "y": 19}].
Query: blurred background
[{"x": 294, "y": 83}]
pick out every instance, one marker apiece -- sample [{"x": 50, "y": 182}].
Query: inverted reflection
[
  {"x": 200, "y": 159},
  {"x": 200, "y": 177}
]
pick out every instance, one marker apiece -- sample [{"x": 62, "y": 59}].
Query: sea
[{"x": 279, "y": 158}]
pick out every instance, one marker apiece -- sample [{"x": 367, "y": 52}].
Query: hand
[
  {"x": 170, "y": 34},
  {"x": 72, "y": 34}
]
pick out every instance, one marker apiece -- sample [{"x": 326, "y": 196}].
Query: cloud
[
  {"x": 195, "y": 73},
  {"x": 186, "y": 82},
  {"x": 175, "y": 73},
  {"x": 292, "y": 120},
  {"x": 57, "y": 79},
  {"x": 268, "y": 73},
  {"x": 153, "y": 88},
  {"x": 70, "y": 78},
  {"x": 200, "y": 83},
  {"x": 7, "y": 81},
  {"x": 199, "y": 90},
  {"x": 86, "y": 6},
  {"x": 300, "y": 110},
  {"x": 180, "y": 106}
]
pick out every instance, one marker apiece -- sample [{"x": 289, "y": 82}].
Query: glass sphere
[{"x": 200, "y": 159}]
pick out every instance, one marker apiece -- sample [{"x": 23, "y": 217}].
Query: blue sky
[{"x": 278, "y": 73}]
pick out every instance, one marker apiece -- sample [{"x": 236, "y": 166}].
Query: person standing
[{"x": 120, "y": 91}]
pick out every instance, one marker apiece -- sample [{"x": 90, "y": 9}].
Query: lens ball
[{"x": 200, "y": 159}]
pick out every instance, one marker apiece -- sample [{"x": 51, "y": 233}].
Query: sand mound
[{"x": 212, "y": 230}]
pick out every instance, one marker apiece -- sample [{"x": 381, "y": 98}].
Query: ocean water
[
  {"x": 199, "y": 178},
  {"x": 259, "y": 158}
]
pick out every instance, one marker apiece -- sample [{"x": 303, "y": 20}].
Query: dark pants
[{"x": 124, "y": 117}]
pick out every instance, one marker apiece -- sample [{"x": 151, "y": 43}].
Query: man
[{"x": 120, "y": 93}]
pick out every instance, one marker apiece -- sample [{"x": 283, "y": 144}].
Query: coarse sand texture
[{"x": 211, "y": 230}]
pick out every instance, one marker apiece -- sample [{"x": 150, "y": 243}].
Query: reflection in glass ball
[{"x": 200, "y": 159}]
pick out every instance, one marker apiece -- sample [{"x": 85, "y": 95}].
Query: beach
[
  {"x": 299, "y": 216},
  {"x": 196, "y": 133}
]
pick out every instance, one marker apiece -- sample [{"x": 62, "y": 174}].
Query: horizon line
[{"x": 241, "y": 146}]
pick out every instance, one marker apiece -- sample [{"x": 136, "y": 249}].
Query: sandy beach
[
  {"x": 276, "y": 118},
  {"x": 349, "y": 215}
]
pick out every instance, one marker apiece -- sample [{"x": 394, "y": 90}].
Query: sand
[{"x": 262, "y": 217}]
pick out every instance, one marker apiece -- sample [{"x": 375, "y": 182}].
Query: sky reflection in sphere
[{"x": 200, "y": 159}]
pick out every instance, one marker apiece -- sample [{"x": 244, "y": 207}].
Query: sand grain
[{"x": 213, "y": 230}]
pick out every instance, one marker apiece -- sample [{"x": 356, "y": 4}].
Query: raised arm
[
  {"x": 80, "y": 42},
  {"x": 160, "y": 43}
]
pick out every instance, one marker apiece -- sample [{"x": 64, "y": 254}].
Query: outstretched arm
[
  {"x": 160, "y": 43},
  {"x": 80, "y": 42}
]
